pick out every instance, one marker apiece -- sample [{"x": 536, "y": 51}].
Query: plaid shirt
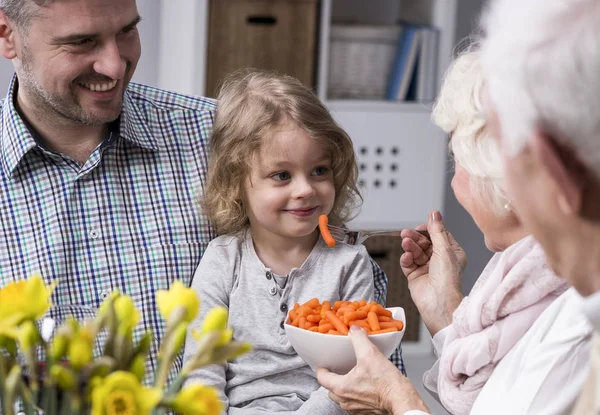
[{"x": 126, "y": 220}]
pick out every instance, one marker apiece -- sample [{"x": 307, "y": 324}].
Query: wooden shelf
[{"x": 378, "y": 106}]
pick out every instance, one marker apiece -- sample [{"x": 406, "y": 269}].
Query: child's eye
[
  {"x": 282, "y": 176},
  {"x": 320, "y": 171}
]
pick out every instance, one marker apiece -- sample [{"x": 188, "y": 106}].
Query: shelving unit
[{"x": 401, "y": 154}]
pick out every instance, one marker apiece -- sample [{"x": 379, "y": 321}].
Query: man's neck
[{"x": 71, "y": 139}]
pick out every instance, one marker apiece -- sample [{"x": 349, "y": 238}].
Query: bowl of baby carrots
[{"x": 319, "y": 331}]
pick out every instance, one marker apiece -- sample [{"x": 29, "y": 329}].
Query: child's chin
[{"x": 302, "y": 232}]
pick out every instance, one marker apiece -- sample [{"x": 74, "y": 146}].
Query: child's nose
[{"x": 303, "y": 188}]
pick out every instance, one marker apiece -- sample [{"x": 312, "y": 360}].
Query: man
[
  {"x": 542, "y": 64},
  {"x": 99, "y": 177}
]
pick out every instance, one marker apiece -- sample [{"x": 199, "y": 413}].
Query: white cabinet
[{"x": 402, "y": 162}]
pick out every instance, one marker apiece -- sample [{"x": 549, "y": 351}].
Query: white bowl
[{"x": 334, "y": 352}]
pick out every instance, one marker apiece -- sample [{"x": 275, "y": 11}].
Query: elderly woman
[{"x": 518, "y": 344}]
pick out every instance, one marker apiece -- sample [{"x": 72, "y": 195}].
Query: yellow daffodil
[
  {"x": 63, "y": 376},
  {"x": 138, "y": 367},
  {"x": 198, "y": 400},
  {"x": 79, "y": 350},
  {"x": 28, "y": 335},
  {"x": 58, "y": 347},
  {"x": 24, "y": 300},
  {"x": 178, "y": 296},
  {"x": 127, "y": 315},
  {"x": 121, "y": 393},
  {"x": 216, "y": 320}
]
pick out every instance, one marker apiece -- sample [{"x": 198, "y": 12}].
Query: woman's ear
[
  {"x": 563, "y": 168},
  {"x": 7, "y": 37}
]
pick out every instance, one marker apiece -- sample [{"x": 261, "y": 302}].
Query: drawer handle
[{"x": 262, "y": 20}]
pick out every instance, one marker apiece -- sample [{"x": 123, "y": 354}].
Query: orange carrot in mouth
[{"x": 323, "y": 221}]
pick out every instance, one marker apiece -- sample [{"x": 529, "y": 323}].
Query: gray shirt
[{"x": 272, "y": 377}]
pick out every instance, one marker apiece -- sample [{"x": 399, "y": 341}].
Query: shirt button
[
  {"x": 273, "y": 291},
  {"x": 104, "y": 294},
  {"x": 269, "y": 275},
  {"x": 283, "y": 307},
  {"x": 94, "y": 234},
  {"x": 281, "y": 325}
]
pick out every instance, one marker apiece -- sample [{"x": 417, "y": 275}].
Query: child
[{"x": 278, "y": 161}]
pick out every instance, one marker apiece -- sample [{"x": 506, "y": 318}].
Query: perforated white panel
[{"x": 402, "y": 161}]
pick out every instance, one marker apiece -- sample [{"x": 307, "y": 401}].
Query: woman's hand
[
  {"x": 433, "y": 269},
  {"x": 374, "y": 385}
]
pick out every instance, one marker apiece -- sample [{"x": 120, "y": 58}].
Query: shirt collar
[
  {"x": 134, "y": 127},
  {"x": 16, "y": 139}
]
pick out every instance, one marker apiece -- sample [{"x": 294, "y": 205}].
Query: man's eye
[
  {"x": 129, "y": 29},
  {"x": 81, "y": 42},
  {"x": 320, "y": 171},
  {"x": 282, "y": 176}
]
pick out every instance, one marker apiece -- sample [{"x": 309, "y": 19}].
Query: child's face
[{"x": 290, "y": 185}]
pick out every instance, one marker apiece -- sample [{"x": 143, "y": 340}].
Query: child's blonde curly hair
[{"x": 251, "y": 104}]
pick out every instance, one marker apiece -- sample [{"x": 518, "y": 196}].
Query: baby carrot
[
  {"x": 337, "y": 323},
  {"x": 323, "y": 221},
  {"x": 373, "y": 321},
  {"x": 396, "y": 324},
  {"x": 360, "y": 323},
  {"x": 355, "y": 315},
  {"x": 313, "y": 318},
  {"x": 312, "y": 303},
  {"x": 325, "y": 328},
  {"x": 315, "y": 329},
  {"x": 344, "y": 310},
  {"x": 293, "y": 315},
  {"x": 301, "y": 322},
  {"x": 379, "y": 310}
]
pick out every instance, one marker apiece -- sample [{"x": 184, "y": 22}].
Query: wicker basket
[{"x": 360, "y": 60}]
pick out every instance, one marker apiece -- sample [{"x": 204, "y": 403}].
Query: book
[
  {"x": 411, "y": 63},
  {"x": 403, "y": 64}
]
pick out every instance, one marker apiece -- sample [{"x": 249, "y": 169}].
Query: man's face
[{"x": 76, "y": 59}]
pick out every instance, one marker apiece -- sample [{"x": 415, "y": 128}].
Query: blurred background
[{"x": 376, "y": 64}]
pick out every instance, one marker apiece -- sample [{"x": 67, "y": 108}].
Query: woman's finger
[
  {"x": 419, "y": 256},
  {"x": 407, "y": 264},
  {"x": 365, "y": 351},
  {"x": 437, "y": 231},
  {"x": 327, "y": 379},
  {"x": 419, "y": 238}
]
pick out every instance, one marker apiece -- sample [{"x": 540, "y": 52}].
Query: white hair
[
  {"x": 458, "y": 111},
  {"x": 541, "y": 61}
]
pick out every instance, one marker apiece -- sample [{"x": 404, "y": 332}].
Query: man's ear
[
  {"x": 564, "y": 169},
  {"x": 7, "y": 37}
]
